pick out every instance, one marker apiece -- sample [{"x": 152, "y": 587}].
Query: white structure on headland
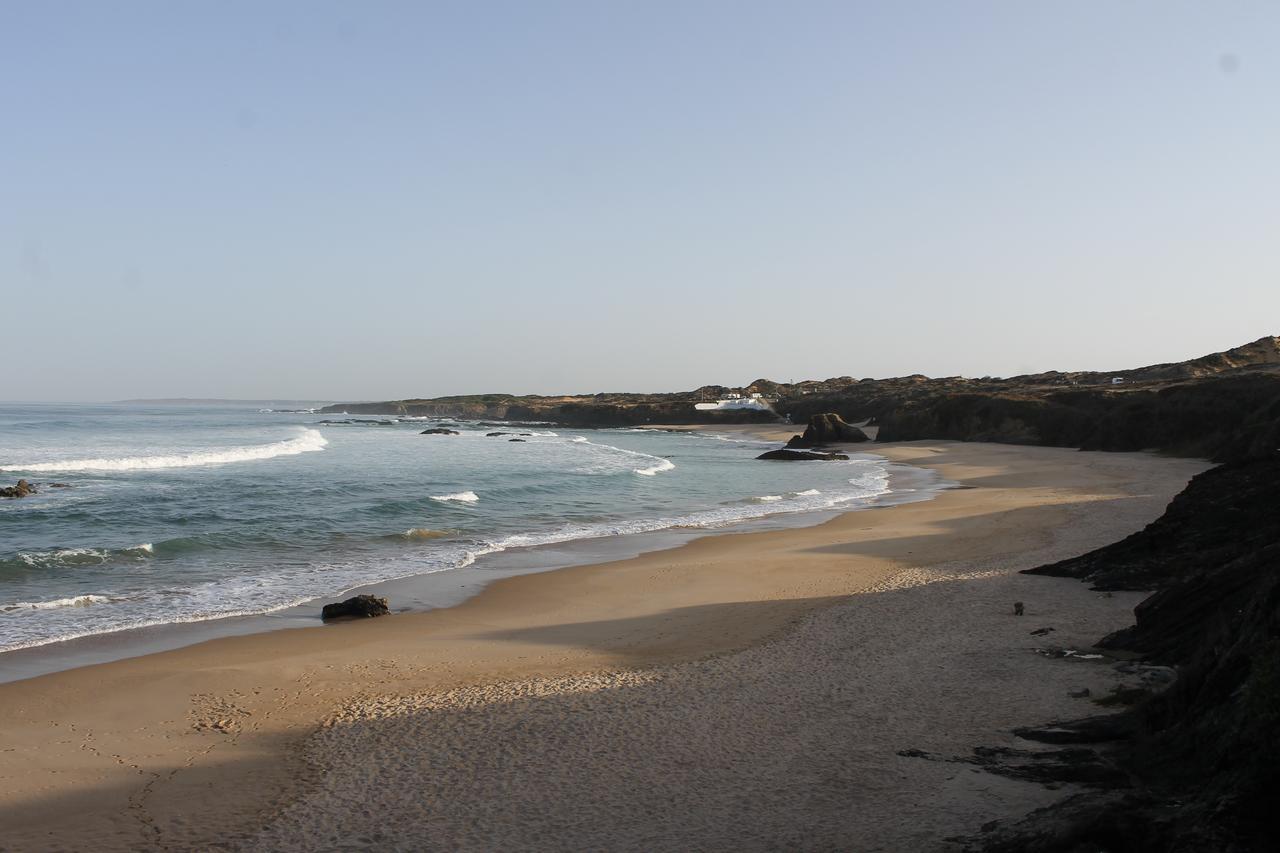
[{"x": 734, "y": 401}]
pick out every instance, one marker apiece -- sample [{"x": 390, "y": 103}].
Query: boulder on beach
[
  {"x": 19, "y": 491},
  {"x": 799, "y": 455},
  {"x": 828, "y": 428},
  {"x": 359, "y": 607},
  {"x": 439, "y": 431}
]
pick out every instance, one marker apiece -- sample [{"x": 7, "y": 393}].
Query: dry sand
[{"x": 745, "y": 691}]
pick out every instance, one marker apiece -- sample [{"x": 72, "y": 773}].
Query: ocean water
[{"x": 180, "y": 514}]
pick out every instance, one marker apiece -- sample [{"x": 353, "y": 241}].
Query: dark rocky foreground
[{"x": 1198, "y": 762}]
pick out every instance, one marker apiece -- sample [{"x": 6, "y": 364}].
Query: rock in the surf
[
  {"x": 359, "y": 607},
  {"x": 439, "y": 431},
  {"x": 799, "y": 455},
  {"x": 19, "y": 491}
]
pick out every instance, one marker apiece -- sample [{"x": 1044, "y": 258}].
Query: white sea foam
[
  {"x": 658, "y": 468},
  {"x": 460, "y": 497},
  {"x": 810, "y": 501},
  {"x": 82, "y": 556},
  {"x": 283, "y": 586},
  {"x": 74, "y": 601},
  {"x": 308, "y": 441},
  {"x": 657, "y": 464},
  {"x": 64, "y": 556}
]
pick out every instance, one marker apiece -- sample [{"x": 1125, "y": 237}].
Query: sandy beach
[{"x": 745, "y": 691}]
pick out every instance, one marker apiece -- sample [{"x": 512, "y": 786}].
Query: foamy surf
[
  {"x": 662, "y": 465},
  {"x": 82, "y": 556},
  {"x": 309, "y": 441},
  {"x": 657, "y": 466},
  {"x": 257, "y": 538},
  {"x": 457, "y": 497},
  {"x": 74, "y": 601}
]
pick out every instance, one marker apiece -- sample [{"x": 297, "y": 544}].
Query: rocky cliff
[
  {"x": 1222, "y": 406},
  {"x": 1203, "y": 756},
  {"x": 1193, "y": 407}
]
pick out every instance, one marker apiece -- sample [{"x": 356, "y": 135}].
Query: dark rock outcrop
[
  {"x": 521, "y": 440},
  {"x": 439, "y": 431},
  {"x": 21, "y": 490},
  {"x": 786, "y": 455},
  {"x": 1197, "y": 407},
  {"x": 1220, "y": 417},
  {"x": 495, "y": 434},
  {"x": 1204, "y": 753},
  {"x": 827, "y": 428},
  {"x": 358, "y": 607},
  {"x": 1202, "y": 556}
]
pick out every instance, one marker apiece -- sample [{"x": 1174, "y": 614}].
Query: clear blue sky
[{"x": 384, "y": 199}]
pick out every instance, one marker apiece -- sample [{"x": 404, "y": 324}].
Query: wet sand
[{"x": 744, "y": 691}]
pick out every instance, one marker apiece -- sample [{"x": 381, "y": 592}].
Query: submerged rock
[
  {"x": 799, "y": 455},
  {"x": 516, "y": 439},
  {"x": 21, "y": 490},
  {"x": 439, "y": 431},
  {"x": 361, "y": 606}
]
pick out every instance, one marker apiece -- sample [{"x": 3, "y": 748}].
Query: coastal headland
[{"x": 746, "y": 690}]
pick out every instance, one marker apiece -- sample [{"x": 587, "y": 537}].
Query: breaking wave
[
  {"x": 56, "y": 557},
  {"x": 309, "y": 441},
  {"x": 656, "y": 464},
  {"x": 74, "y": 601},
  {"x": 459, "y": 497}
]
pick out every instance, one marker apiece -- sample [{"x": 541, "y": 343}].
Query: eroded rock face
[
  {"x": 785, "y": 455},
  {"x": 358, "y": 607},
  {"x": 827, "y": 428},
  {"x": 19, "y": 491},
  {"x": 1200, "y": 743},
  {"x": 439, "y": 431}
]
